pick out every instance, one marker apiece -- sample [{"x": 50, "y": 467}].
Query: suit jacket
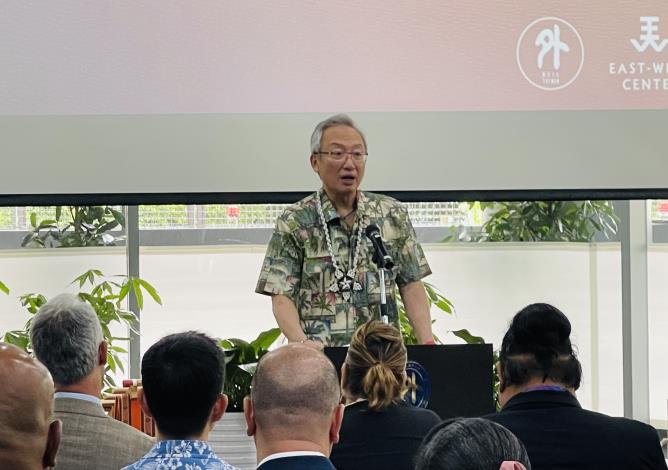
[
  {"x": 93, "y": 440},
  {"x": 378, "y": 440},
  {"x": 559, "y": 434},
  {"x": 301, "y": 462}
]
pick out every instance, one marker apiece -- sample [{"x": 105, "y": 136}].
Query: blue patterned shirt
[{"x": 180, "y": 455}]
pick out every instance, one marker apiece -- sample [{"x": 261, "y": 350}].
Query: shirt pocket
[{"x": 316, "y": 301}]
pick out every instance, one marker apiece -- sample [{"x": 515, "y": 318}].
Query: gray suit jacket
[{"x": 93, "y": 440}]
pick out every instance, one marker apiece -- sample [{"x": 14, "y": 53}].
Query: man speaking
[{"x": 319, "y": 268}]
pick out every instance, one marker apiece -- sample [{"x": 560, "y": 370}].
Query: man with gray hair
[
  {"x": 67, "y": 338},
  {"x": 319, "y": 268},
  {"x": 294, "y": 411}
]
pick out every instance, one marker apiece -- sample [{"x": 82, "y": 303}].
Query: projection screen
[{"x": 220, "y": 97}]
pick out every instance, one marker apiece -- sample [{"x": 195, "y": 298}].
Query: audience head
[
  {"x": 471, "y": 444},
  {"x": 295, "y": 396},
  {"x": 537, "y": 346},
  {"x": 375, "y": 367},
  {"x": 67, "y": 338},
  {"x": 182, "y": 378},
  {"x": 29, "y": 436}
]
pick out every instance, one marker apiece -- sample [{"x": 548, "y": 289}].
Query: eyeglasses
[{"x": 339, "y": 155}]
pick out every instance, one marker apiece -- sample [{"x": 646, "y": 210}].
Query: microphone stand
[
  {"x": 383, "y": 297},
  {"x": 380, "y": 262},
  {"x": 384, "y": 261}
]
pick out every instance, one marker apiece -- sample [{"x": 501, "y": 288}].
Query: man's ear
[
  {"x": 52, "y": 444},
  {"x": 250, "y": 416},
  {"x": 143, "y": 403},
  {"x": 502, "y": 379},
  {"x": 219, "y": 408},
  {"x": 335, "y": 426},
  {"x": 314, "y": 162},
  {"x": 102, "y": 354}
]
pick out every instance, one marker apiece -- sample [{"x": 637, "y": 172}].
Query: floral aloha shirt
[
  {"x": 180, "y": 455},
  {"x": 299, "y": 266}
]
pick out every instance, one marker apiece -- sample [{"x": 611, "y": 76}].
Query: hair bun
[{"x": 541, "y": 329}]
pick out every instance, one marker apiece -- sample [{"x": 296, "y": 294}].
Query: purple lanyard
[{"x": 549, "y": 388}]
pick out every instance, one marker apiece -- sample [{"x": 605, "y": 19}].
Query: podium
[{"x": 451, "y": 380}]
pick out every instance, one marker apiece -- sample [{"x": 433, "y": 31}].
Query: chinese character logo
[
  {"x": 550, "y": 53},
  {"x": 550, "y": 40},
  {"x": 649, "y": 37}
]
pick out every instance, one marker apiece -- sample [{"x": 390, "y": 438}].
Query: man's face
[{"x": 339, "y": 176}]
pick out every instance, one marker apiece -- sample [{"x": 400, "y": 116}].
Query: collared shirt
[
  {"x": 78, "y": 396},
  {"x": 296, "y": 453},
  {"x": 298, "y": 264},
  {"x": 180, "y": 454}
]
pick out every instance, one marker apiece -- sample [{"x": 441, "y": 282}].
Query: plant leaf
[
  {"x": 265, "y": 339},
  {"x": 136, "y": 288},
  {"x": 468, "y": 337},
  {"x": 151, "y": 291}
]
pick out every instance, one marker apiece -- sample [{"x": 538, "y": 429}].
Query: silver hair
[
  {"x": 66, "y": 335},
  {"x": 469, "y": 444},
  {"x": 336, "y": 120}
]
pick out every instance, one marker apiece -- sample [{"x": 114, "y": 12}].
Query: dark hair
[
  {"x": 537, "y": 344},
  {"x": 376, "y": 362},
  {"x": 182, "y": 376},
  {"x": 469, "y": 444}
]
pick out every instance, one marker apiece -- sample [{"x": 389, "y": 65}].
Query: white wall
[{"x": 211, "y": 289}]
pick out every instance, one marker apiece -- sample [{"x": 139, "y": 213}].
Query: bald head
[
  {"x": 295, "y": 390},
  {"x": 26, "y": 410}
]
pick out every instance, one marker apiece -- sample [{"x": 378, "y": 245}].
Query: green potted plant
[
  {"x": 533, "y": 221},
  {"x": 76, "y": 226},
  {"x": 241, "y": 358},
  {"x": 434, "y": 298}
]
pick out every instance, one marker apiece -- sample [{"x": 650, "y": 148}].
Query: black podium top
[{"x": 453, "y": 380}]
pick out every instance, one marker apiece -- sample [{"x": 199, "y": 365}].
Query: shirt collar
[
  {"x": 295, "y": 453},
  {"x": 178, "y": 447},
  {"x": 542, "y": 396},
  {"x": 78, "y": 396},
  {"x": 329, "y": 210}
]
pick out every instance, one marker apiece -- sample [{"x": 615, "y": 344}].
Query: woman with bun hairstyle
[
  {"x": 539, "y": 374},
  {"x": 379, "y": 430}
]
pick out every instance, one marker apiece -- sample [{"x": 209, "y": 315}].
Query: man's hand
[
  {"x": 417, "y": 310},
  {"x": 287, "y": 318}
]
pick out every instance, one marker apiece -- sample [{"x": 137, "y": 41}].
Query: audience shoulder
[
  {"x": 631, "y": 428},
  {"x": 132, "y": 433}
]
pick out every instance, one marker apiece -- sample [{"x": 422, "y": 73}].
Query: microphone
[{"x": 381, "y": 257}]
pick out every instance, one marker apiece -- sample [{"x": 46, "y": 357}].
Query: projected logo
[
  {"x": 550, "y": 53},
  {"x": 420, "y": 385},
  {"x": 649, "y": 35},
  {"x": 647, "y": 70}
]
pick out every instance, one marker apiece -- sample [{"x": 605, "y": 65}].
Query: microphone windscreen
[{"x": 372, "y": 230}]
